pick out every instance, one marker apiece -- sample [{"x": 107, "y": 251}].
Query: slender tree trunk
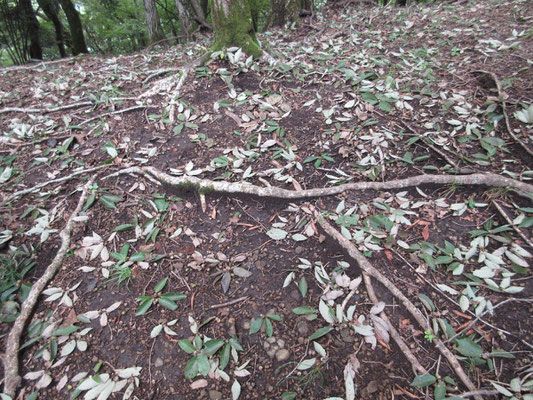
[
  {"x": 32, "y": 28},
  {"x": 51, "y": 11},
  {"x": 184, "y": 17},
  {"x": 155, "y": 32},
  {"x": 75, "y": 26},
  {"x": 232, "y": 24}
]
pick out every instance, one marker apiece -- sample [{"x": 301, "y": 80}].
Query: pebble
[
  {"x": 282, "y": 354},
  {"x": 158, "y": 362},
  {"x": 215, "y": 395},
  {"x": 303, "y": 328}
]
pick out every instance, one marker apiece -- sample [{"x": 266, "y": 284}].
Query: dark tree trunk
[
  {"x": 285, "y": 11},
  {"x": 153, "y": 24},
  {"x": 76, "y": 29},
  {"x": 50, "y": 8},
  {"x": 32, "y": 28}
]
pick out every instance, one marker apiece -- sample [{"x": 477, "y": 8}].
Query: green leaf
[
  {"x": 468, "y": 348},
  {"x": 174, "y": 296},
  {"x": 123, "y": 227},
  {"x": 288, "y": 396},
  {"x": 160, "y": 285},
  {"x": 269, "y": 329},
  {"x": 90, "y": 201},
  {"x": 167, "y": 303},
  {"x": 224, "y": 356},
  {"x": 320, "y": 332},
  {"x": 109, "y": 200},
  {"x": 440, "y": 391},
  {"x": 304, "y": 310},
  {"x": 275, "y": 317},
  {"x": 423, "y": 380},
  {"x": 144, "y": 306},
  {"x": 235, "y": 344},
  {"x": 277, "y": 234},
  {"x": 136, "y": 257},
  {"x": 203, "y": 364},
  {"x": 191, "y": 369},
  {"x": 256, "y": 325},
  {"x": 65, "y": 331},
  {"x": 212, "y": 346},
  {"x": 502, "y": 354},
  {"x": 426, "y": 301},
  {"x": 302, "y": 286},
  {"x": 186, "y": 346}
]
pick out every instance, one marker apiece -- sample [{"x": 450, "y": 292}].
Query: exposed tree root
[
  {"x": 45, "y": 110},
  {"x": 206, "y": 185},
  {"x": 41, "y": 185},
  {"x": 370, "y": 270},
  {"x": 12, "y": 377},
  {"x": 417, "y": 367}
]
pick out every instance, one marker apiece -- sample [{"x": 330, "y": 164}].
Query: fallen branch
[
  {"x": 370, "y": 270},
  {"x": 45, "y": 110},
  {"x": 502, "y": 99},
  {"x": 206, "y": 185},
  {"x": 12, "y": 377},
  {"x": 228, "y": 303},
  {"x": 41, "y": 185},
  {"x": 417, "y": 367}
]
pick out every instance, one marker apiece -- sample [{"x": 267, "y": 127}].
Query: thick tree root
[
  {"x": 370, "y": 270},
  {"x": 206, "y": 185},
  {"x": 12, "y": 377}
]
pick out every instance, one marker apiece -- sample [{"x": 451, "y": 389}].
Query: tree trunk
[
  {"x": 32, "y": 29},
  {"x": 232, "y": 24},
  {"x": 76, "y": 29},
  {"x": 52, "y": 13},
  {"x": 285, "y": 11},
  {"x": 184, "y": 17},
  {"x": 155, "y": 32}
]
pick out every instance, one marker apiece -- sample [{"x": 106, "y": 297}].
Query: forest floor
[{"x": 248, "y": 294}]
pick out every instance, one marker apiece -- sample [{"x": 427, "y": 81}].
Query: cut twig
[
  {"x": 11, "y": 362},
  {"x": 229, "y": 303},
  {"x": 370, "y": 270},
  {"x": 207, "y": 185}
]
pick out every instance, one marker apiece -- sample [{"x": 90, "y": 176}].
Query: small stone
[
  {"x": 303, "y": 328},
  {"x": 282, "y": 354},
  {"x": 271, "y": 340},
  {"x": 372, "y": 387},
  {"x": 299, "y": 250},
  {"x": 215, "y": 395},
  {"x": 158, "y": 362},
  {"x": 246, "y": 325},
  {"x": 281, "y": 343},
  {"x": 272, "y": 352}
]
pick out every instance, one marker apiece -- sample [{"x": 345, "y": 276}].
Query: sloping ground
[{"x": 179, "y": 293}]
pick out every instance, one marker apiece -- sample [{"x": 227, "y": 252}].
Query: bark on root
[
  {"x": 12, "y": 377},
  {"x": 204, "y": 185}
]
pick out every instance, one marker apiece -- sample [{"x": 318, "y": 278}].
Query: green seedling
[
  {"x": 167, "y": 300},
  {"x": 267, "y": 319}
]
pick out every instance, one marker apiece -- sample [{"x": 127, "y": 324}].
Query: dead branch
[
  {"x": 41, "y": 185},
  {"x": 159, "y": 72},
  {"x": 369, "y": 269},
  {"x": 12, "y": 378},
  {"x": 502, "y": 100},
  {"x": 417, "y": 367},
  {"x": 206, "y": 185},
  {"x": 229, "y": 303},
  {"x": 45, "y": 110}
]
